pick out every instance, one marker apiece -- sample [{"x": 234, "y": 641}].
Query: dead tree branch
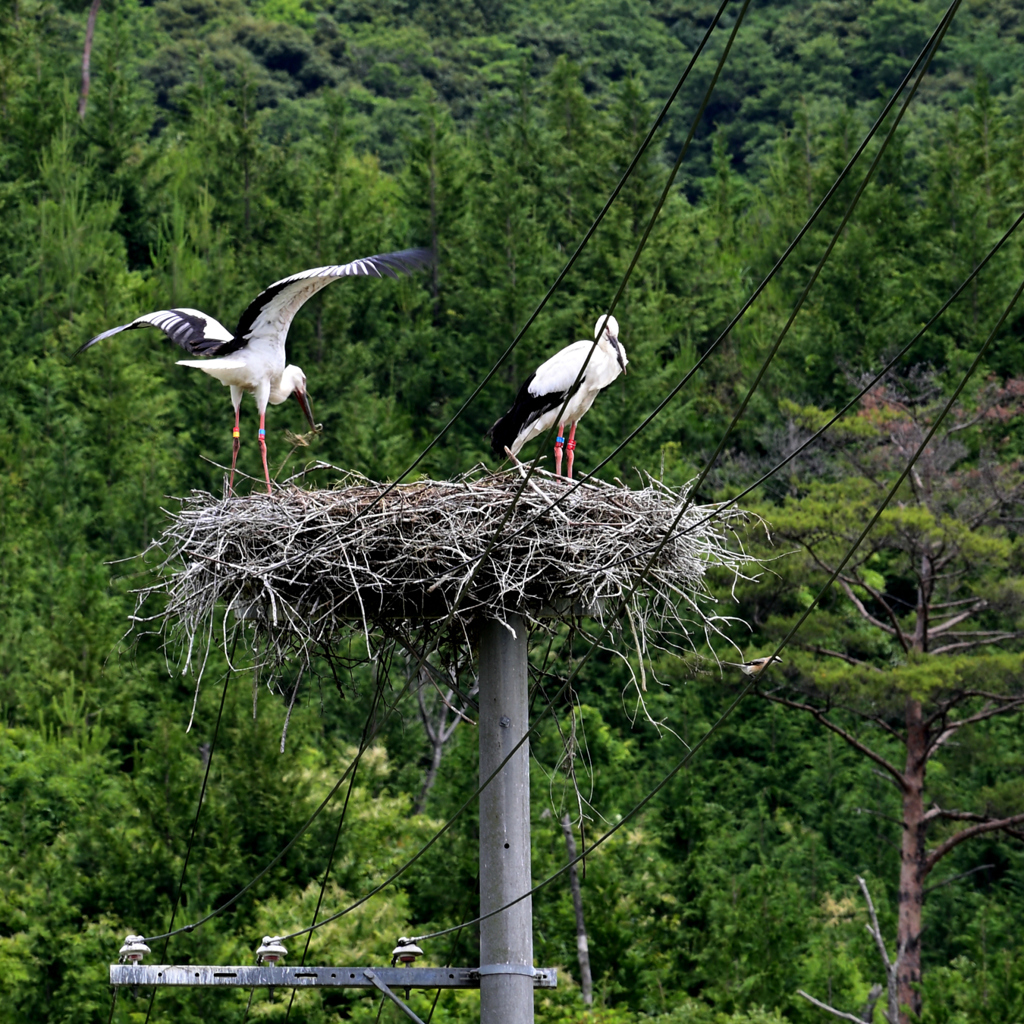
[{"x": 90, "y": 29}]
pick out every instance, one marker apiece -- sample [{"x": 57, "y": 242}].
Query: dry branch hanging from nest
[{"x": 307, "y": 567}]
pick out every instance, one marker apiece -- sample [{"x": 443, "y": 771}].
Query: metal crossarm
[{"x": 309, "y": 977}]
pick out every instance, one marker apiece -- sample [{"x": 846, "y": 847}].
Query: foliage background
[{"x": 227, "y": 144}]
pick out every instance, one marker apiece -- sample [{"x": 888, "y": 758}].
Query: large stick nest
[{"x": 307, "y": 567}]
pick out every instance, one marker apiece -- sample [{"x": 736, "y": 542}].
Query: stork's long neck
[{"x": 280, "y": 391}]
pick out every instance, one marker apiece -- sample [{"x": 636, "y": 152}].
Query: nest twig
[{"x": 307, "y": 567}]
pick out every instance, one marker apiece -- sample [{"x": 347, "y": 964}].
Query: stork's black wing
[
  {"x": 196, "y": 332},
  {"x": 526, "y": 408},
  {"x": 270, "y": 314}
]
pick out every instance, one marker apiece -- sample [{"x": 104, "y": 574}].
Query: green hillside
[{"x": 225, "y": 145}]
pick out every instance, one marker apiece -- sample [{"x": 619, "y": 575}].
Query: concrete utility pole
[{"x": 506, "y": 940}]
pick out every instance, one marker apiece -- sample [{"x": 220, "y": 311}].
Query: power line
[
  {"x": 569, "y": 265},
  {"x": 929, "y": 48},
  {"x": 195, "y": 820},
  {"x": 857, "y": 397},
  {"x": 586, "y": 657},
  {"x": 928, "y": 53},
  {"x": 778, "y": 650},
  {"x": 298, "y": 835},
  {"x": 448, "y": 963},
  {"x": 341, "y": 818},
  {"x": 602, "y": 323},
  {"x": 607, "y": 627},
  {"x": 934, "y": 45},
  {"x": 497, "y": 534},
  {"x": 496, "y": 539}
]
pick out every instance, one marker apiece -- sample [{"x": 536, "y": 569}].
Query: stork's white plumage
[
  {"x": 252, "y": 359},
  {"x": 538, "y": 406}
]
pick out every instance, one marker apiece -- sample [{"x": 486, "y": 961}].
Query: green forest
[{"x": 216, "y": 146}]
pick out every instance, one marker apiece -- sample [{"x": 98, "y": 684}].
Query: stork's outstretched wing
[
  {"x": 193, "y": 330},
  {"x": 270, "y": 314}
]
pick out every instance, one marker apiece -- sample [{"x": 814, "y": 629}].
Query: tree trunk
[
  {"x": 428, "y": 783},
  {"x": 912, "y": 867},
  {"x": 90, "y": 29},
  {"x": 582, "y": 947},
  {"x": 435, "y": 270}
]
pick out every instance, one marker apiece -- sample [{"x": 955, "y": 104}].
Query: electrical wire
[
  {"x": 926, "y": 54},
  {"x": 565, "y": 270},
  {"x": 778, "y": 650},
  {"x": 447, "y": 963},
  {"x": 298, "y": 835},
  {"x": 341, "y": 821},
  {"x": 497, "y": 534},
  {"x": 719, "y": 508},
  {"x": 602, "y": 323},
  {"x": 695, "y": 488},
  {"x": 586, "y": 656},
  {"x": 923, "y": 62},
  {"x": 768, "y": 474},
  {"x": 195, "y": 820}
]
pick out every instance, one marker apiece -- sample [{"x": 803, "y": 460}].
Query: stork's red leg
[
  {"x": 570, "y": 447},
  {"x": 263, "y": 452},
  {"x": 236, "y": 444},
  {"x": 559, "y": 444}
]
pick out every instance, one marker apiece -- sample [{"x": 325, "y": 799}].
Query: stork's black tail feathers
[{"x": 526, "y": 408}]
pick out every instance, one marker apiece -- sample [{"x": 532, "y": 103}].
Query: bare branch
[
  {"x": 830, "y": 1009},
  {"x": 889, "y": 610},
  {"x": 869, "y": 1007},
  {"x": 849, "y": 659},
  {"x": 881, "y": 723},
  {"x": 896, "y": 774},
  {"x": 884, "y": 777},
  {"x": 864, "y": 613},
  {"x": 956, "y": 878},
  {"x": 90, "y": 29},
  {"x": 874, "y": 928},
  {"x": 891, "y": 966},
  {"x": 987, "y": 712},
  {"x": 420, "y": 654},
  {"x": 955, "y": 840},
  {"x": 939, "y": 812},
  {"x": 969, "y": 644},
  {"x": 955, "y": 619}
]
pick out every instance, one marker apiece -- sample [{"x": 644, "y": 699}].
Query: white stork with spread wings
[
  {"x": 539, "y": 404},
  {"x": 252, "y": 360}
]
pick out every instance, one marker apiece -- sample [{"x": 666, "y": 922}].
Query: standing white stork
[
  {"x": 252, "y": 360},
  {"x": 538, "y": 406}
]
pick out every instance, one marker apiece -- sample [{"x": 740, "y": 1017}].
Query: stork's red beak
[{"x": 303, "y": 399}]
